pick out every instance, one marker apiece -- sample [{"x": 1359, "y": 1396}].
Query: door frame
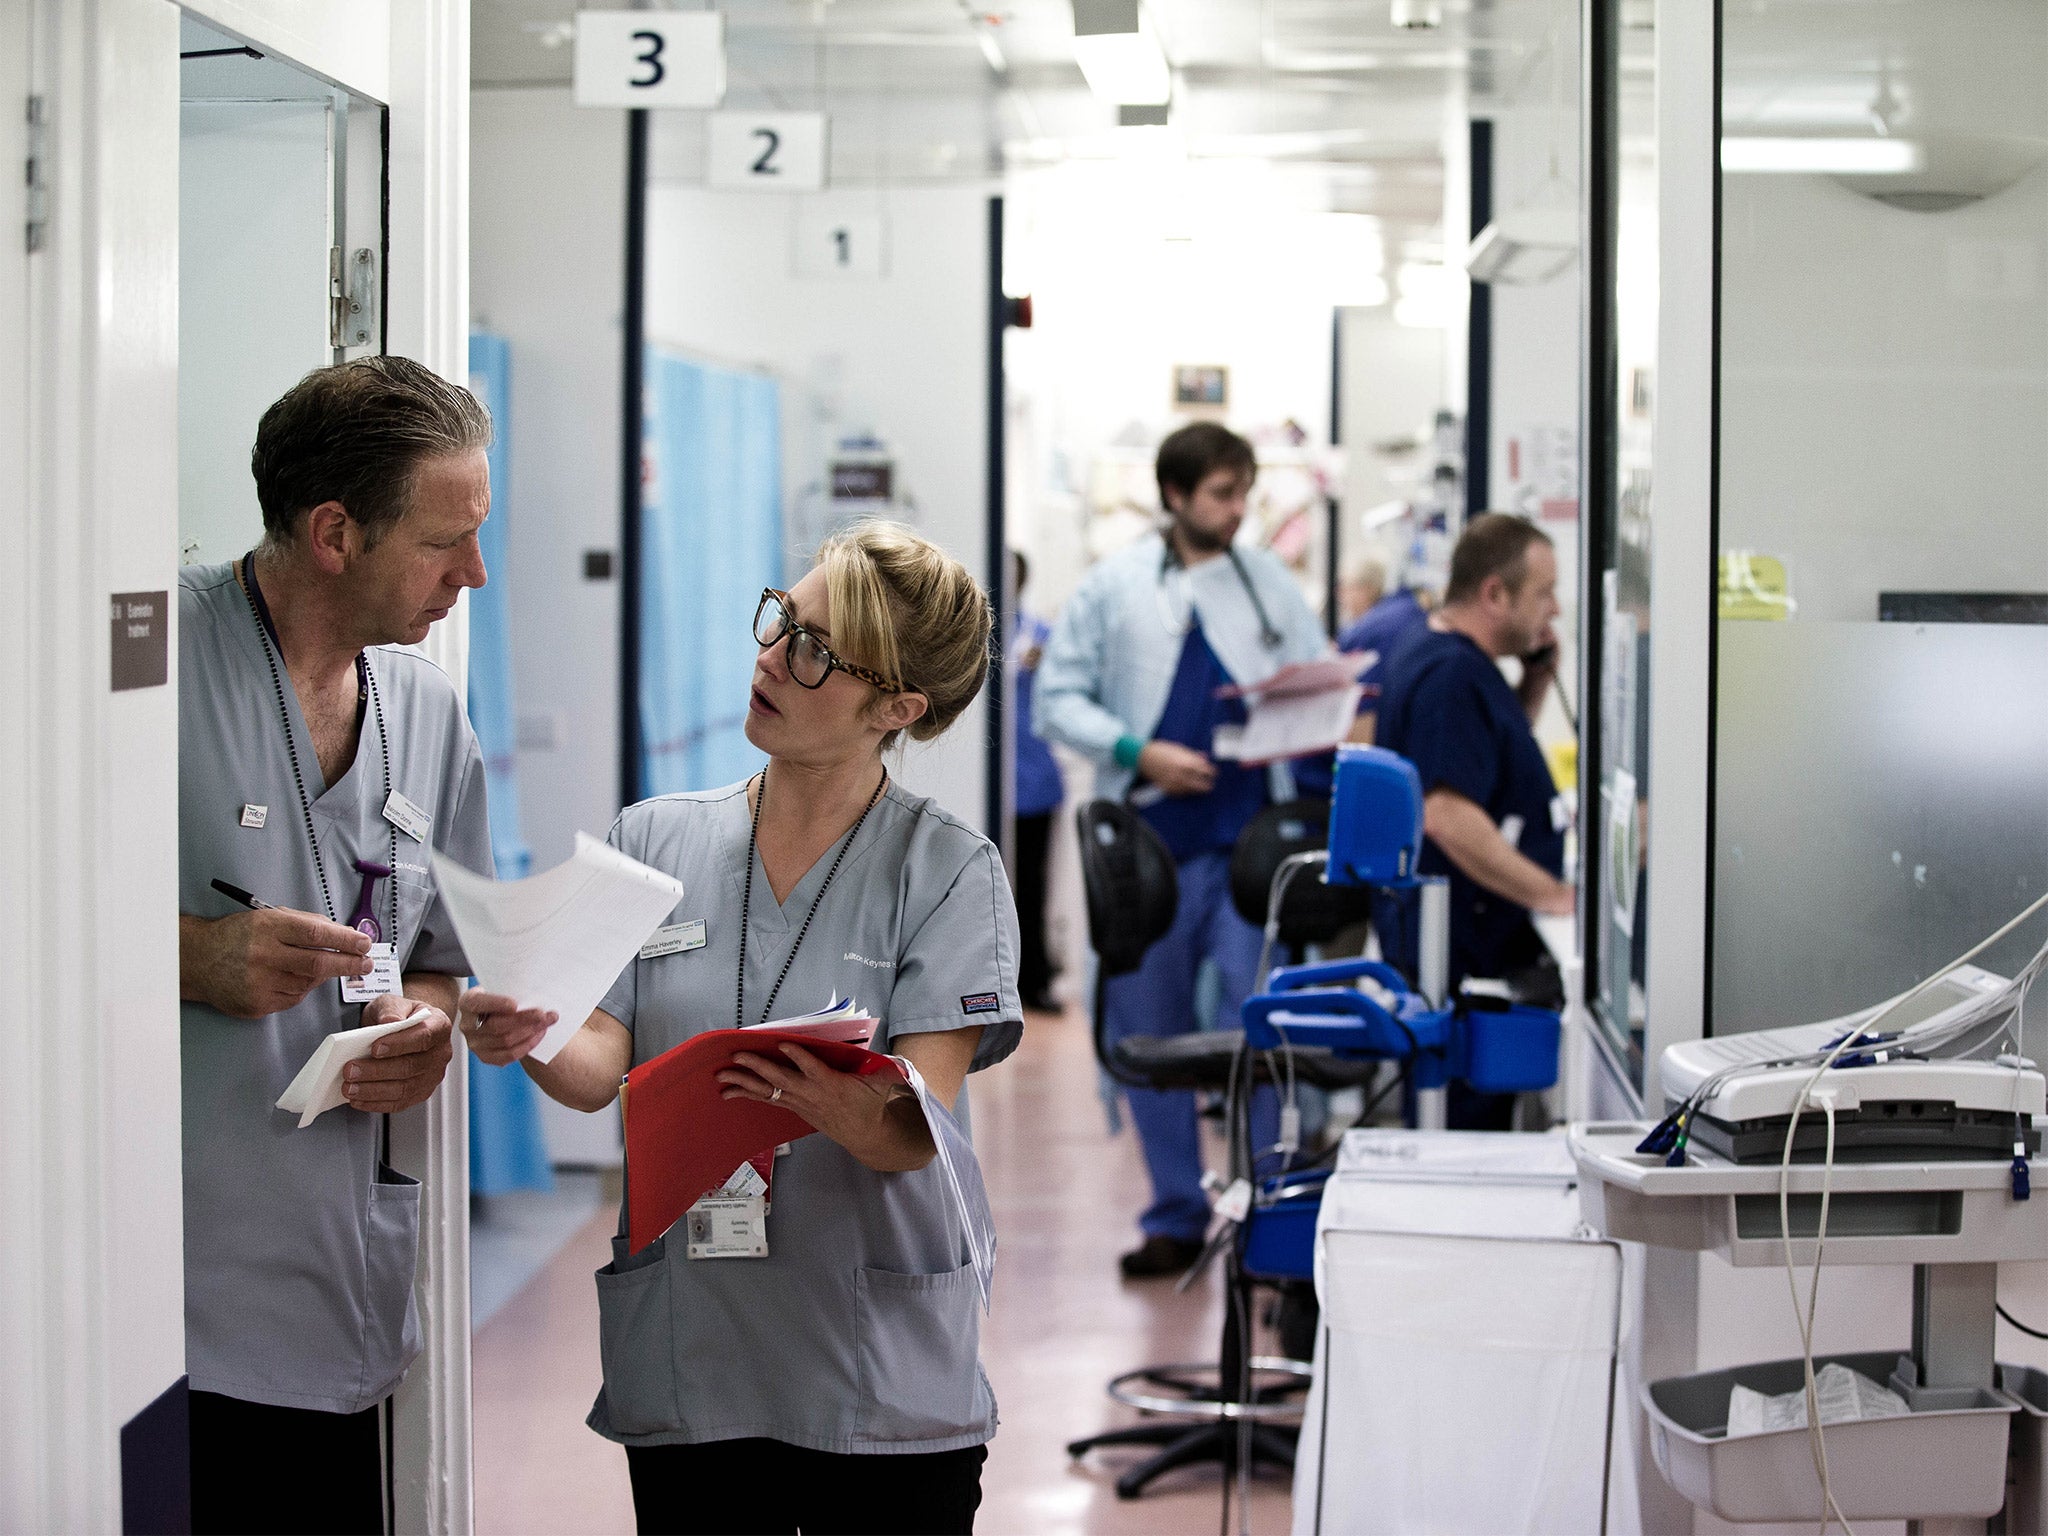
[{"x": 91, "y": 1226}]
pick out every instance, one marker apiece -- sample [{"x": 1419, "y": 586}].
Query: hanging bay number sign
[
  {"x": 767, "y": 151},
  {"x": 650, "y": 58}
]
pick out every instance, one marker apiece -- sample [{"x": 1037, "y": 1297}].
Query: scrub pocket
[
  {"x": 919, "y": 1338},
  {"x": 391, "y": 1247},
  {"x": 636, "y": 1340}
]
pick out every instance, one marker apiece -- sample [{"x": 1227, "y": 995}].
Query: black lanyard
[
  {"x": 1269, "y": 637},
  {"x": 368, "y": 697},
  {"x": 747, "y": 901}
]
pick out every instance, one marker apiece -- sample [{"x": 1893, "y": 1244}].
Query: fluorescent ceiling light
[
  {"x": 1826, "y": 157},
  {"x": 1118, "y": 53}
]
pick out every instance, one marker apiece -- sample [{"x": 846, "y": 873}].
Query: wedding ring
[{"x": 774, "y": 1096}]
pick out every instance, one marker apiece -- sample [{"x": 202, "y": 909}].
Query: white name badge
[
  {"x": 255, "y": 815},
  {"x": 675, "y": 939},
  {"x": 381, "y": 982},
  {"x": 728, "y": 1227},
  {"x": 407, "y": 817}
]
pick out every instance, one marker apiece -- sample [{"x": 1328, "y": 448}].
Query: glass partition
[{"x": 1880, "y": 795}]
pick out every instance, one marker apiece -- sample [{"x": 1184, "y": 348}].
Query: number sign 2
[
  {"x": 650, "y": 58},
  {"x": 767, "y": 151}
]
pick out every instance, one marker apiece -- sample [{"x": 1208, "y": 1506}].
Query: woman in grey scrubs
[{"x": 831, "y": 1384}]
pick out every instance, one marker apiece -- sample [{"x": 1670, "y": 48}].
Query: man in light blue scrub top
[
  {"x": 319, "y": 765},
  {"x": 1130, "y": 679}
]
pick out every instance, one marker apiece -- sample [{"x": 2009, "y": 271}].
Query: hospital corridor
[{"x": 1041, "y": 767}]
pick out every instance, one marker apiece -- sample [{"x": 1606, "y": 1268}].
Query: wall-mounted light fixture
[
  {"x": 1119, "y": 53},
  {"x": 1817, "y": 156}
]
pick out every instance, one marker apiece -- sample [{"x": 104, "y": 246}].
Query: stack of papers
[
  {"x": 1307, "y": 707},
  {"x": 557, "y": 941},
  {"x": 844, "y": 1020}
]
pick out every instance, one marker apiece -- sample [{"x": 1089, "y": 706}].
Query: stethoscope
[{"x": 1170, "y": 562}]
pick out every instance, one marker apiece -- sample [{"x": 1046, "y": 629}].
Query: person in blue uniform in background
[
  {"x": 1038, "y": 793},
  {"x": 1130, "y": 679},
  {"x": 1493, "y": 820},
  {"x": 1378, "y": 621}
]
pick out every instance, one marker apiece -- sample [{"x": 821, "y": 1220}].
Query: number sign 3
[
  {"x": 767, "y": 151},
  {"x": 650, "y": 58}
]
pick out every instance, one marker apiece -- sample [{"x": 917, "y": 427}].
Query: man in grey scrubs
[{"x": 318, "y": 765}]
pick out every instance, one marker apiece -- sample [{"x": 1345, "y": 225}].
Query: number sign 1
[
  {"x": 833, "y": 243},
  {"x": 767, "y": 151},
  {"x": 650, "y": 58}
]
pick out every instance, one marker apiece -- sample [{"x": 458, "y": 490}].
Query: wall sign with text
[
  {"x": 767, "y": 151},
  {"x": 650, "y": 58},
  {"x": 830, "y": 244}
]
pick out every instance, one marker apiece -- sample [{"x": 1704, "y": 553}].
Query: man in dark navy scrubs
[{"x": 1492, "y": 818}]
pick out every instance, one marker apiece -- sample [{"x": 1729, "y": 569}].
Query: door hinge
[
  {"x": 351, "y": 298},
  {"x": 337, "y": 297},
  {"x": 38, "y": 189}
]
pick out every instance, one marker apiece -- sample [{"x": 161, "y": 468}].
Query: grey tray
[
  {"x": 1945, "y": 1458},
  {"x": 2026, "y": 1505}
]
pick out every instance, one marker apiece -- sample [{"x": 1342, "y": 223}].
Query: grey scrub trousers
[
  {"x": 300, "y": 1244},
  {"x": 860, "y": 1332}
]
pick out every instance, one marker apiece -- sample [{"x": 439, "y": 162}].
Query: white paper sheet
[
  {"x": 559, "y": 939},
  {"x": 317, "y": 1088},
  {"x": 1306, "y": 707}
]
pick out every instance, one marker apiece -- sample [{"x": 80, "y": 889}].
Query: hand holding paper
[
  {"x": 318, "y": 1088},
  {"x": 556, "y": 941}
]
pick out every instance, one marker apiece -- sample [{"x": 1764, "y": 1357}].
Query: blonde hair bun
[{"x": 903, "y": 607}]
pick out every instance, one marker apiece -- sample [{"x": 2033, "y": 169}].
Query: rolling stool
[{"x": 1197, "y": 1412}]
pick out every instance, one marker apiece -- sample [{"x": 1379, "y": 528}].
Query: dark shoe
[{"x": 1159, "y": 1257}]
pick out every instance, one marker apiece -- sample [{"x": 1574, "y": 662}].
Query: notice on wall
[
  {"x": 142, "y": 640},
  {"x": 650, "y": 58},
  {"x": 766, "y": 151},
  {"x": 1543, "y": 471}
]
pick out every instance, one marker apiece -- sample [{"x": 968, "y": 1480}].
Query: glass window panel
[{"x": 1881, "y": 784}]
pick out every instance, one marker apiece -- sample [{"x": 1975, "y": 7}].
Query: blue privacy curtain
[
  {"x": 506, "y": 1150},
  {"x": 711, "y": 539}
]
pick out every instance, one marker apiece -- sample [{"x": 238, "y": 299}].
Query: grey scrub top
[
  {"x": 860, "y": 1332},
  {"x": 299, "y": 1245}
]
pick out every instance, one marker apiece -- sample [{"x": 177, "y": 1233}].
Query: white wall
[
  {"x": 91, "y": 1223},
  {"x": 252, "y": 316},
  {"x": 547, "y": 268},
  {"x": 1884, "y": 388},
  {"x": 547, "y": 215},
  {"x": 902, "y": 355}
]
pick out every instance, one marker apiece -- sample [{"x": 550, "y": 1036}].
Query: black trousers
[
  {"x": 767, "y": 1488},
  {"x": 258, "y": 1468},
  {"x": 1034, "y": 961}
]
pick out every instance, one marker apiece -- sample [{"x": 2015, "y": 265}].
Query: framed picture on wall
[{"x": 1200, "y": 385}]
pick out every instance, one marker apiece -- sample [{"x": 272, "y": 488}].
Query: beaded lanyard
[
  {"x": 367, "y": 679},
  {"x": 747, "y": 901}
]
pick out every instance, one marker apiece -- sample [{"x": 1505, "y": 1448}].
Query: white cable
[{"x": 1816, "y": 1441}]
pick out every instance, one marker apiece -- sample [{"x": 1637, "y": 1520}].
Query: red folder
[{"x": 683, "y": 1139}]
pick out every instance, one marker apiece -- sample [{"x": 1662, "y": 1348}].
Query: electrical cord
[{"x": 2032, "y": 1333}]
